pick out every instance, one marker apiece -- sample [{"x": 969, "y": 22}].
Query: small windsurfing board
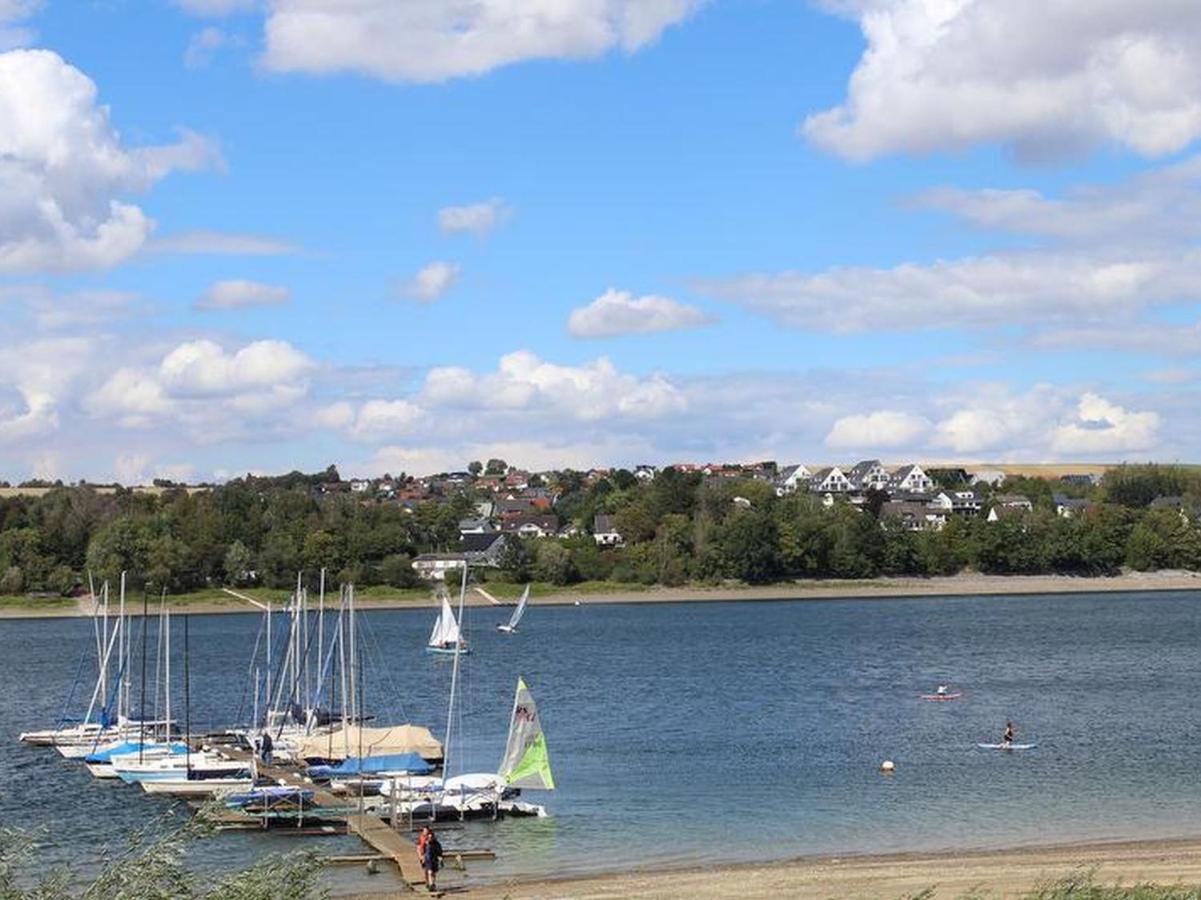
[
  {"x": 954, "y": 696},
  {"x": 1007, "y": 746}
]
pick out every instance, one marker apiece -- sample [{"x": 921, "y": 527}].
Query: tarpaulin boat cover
[
  {"x": 356, "y": 741},
  {"x": 412, "y": 763}
]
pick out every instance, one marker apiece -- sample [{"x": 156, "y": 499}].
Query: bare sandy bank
[
  {"x": 1005, "y": 873},
  {"x": 967, "y": 583}
]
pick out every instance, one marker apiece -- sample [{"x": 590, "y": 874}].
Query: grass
[{"x": 22, "y": 601}]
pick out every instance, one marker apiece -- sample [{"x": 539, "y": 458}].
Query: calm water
[{"x": 668, "y": 723}]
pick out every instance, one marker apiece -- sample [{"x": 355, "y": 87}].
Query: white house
[
  {"x": 791, "y": 478},
  {"x": 830, "y": 480},
  {"x": 991, "y": 477},
  {"x": 868, "y": 474},
  {"x": 435, "y": 566},
  {"x": 911, "y": 478},
  {"x": 604, "y": 531}
]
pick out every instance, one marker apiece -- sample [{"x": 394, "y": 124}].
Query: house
[
  {"x": 791, "y": 478},
  {"x": 435, "y": 566},
  {"x": 964, "y": 502},
  {"x": 911, "y": 478},
  {"x": 1017, "y": 501},
  {"x": 604, "y": 531},
  {"x": 1067, "y": 507},
  {"x": 741, "y": 502},
  {"x": 511, "y": 507},
  {"x": 645, "y": 473},
  {"x": 532, "y": 525},
  {"x": 360, "y": 485},
  {"x": 867, "y": 475},
  {"x": 474, "y": 526},
  {"x": 914, "y": 516},
  {"x": 484, "y": 548},
  {"x": 1081, "y": 480},
  {"x": 830, "y": 480}
]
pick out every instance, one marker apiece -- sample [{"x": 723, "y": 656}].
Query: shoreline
[
  {"x": 883, "y": 588},
  {"x": 951, "y": 874}
]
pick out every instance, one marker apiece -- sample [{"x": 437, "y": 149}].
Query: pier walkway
[{"x": 370, "y": 828}]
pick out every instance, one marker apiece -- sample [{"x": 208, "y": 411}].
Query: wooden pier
[{"x": 370, "y": 828}]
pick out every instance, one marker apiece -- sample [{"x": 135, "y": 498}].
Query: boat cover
[
  {"x": 354, "y": 741},
  {"x": 412, "y": 763}
]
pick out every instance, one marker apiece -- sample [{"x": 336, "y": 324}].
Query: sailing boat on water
[
  {"x": 524, "y": 765},
  {"x": 446, "y": 637},
  {"x": 511, "y": 628}
]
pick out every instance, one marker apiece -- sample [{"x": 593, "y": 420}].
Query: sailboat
[
  {"x": 511, "y": 628},
  {"x": 446, "y": 637},
  {"x": 524, "y": 765}
]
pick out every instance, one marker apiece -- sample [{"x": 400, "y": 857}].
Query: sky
[{"x": 399, "y": 235}]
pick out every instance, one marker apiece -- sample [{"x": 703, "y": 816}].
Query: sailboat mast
[
  {"x": 454, "y": 682},
  {"x": 145, "y": 635},
  {"x": 167, "y": 676},
  {"x": 187, "y": 699},
  {"x": 122, "y": 671},
  {"x": 355, "y": 712},
  {"x": 320, "y": 635}
]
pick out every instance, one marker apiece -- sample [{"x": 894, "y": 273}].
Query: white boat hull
[{"x": 204, "y": 787}]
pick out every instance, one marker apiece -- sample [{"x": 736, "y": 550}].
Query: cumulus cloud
[
  {"x": 620, "y": 312},
  {"x": 13, "y": 13},
  {"x": 240, "y": 294},
  {"x": 63, "y": 170},
  {"x": 432, "y": 281},
  {"x": 479, "y": 219},
  {"x": 880, "y": 430},
  {"x": 1045, "y": 77},
  {"x": 590, "y": 392},
  {"x": 1103, "y": 427},
  {"x": 200, "y": 384},
  {"x": 435, "y": 40}
]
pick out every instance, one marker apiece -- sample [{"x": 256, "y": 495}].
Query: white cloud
[
  {"x": 48, "y": 310},
  {"x": 212, "y": 392},
  {"x": 432, "y": 281},
  {"x": 221, "y": 243},
  {"x": 63, "y": 170},
  {"x": 1161, "y": 206},
  {"x": 1018, "y": 288},
  {"x": 1155, "y": 338},
  {"x": 239, "y": 294},
  {"x": 880, "y": 430},
  {"x": 590, "y": 392},
  {"x": 39, "y": 381},
  {"x": 1043, "y": 76},
  {"x": 479, "y": 219},
  {"x": 1103, "y": 427},
  {"x": 435, "y": 40},
  {"x": 382, "y": 419},
  {"x": 620, "y": 312}
]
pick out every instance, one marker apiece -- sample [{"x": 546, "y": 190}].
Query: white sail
[
  {"x": 526, "y": 763},
  {"x": 520, "y": 611},
  {"x": 446, "y": 628}
]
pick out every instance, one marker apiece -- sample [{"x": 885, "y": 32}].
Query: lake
[{"x": 718, "y": 731}]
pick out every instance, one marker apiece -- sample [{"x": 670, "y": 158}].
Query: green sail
[{"x": 526, "y": 763}]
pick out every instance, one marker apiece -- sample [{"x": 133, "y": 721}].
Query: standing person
[
  {"x": 1008, "y": 738},
  {"x": 429, "y": 851},
  {"x": 267, "y": 747}
]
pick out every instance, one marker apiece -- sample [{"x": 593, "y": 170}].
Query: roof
[
  {"x": 1171, "y": 502},
  {"x": 603, "y": 524},
  {"x": 862, "y": 467},
  {"x": 481, "y": 541}
]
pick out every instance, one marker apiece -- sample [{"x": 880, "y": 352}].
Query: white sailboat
[
  {"x": 446, "y": 637},
  {"x": 524, "y": 765},
  {"x": 511, "y": 628}
]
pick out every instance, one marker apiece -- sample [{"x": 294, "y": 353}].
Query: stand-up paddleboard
[
  {"x": 1007, "y": 746},
  {"x": 954, "y": 696}
]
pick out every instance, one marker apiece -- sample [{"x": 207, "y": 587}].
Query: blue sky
[{"x": 685, "y": 230}]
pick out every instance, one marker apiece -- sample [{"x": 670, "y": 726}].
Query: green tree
[
  {"x": 552, "y": 562},
  {"x": 237, "y": 564}
]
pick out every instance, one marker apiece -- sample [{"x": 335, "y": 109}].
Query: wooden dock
[{"x": 370, "y": 828}]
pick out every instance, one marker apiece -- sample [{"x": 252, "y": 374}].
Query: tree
[
  {"x": 496, "y": 467},
  {"x": 515, "y": 558},
  {"x": 552, "y": 562},
  {"x": 396, "y": 570},
  {"x": 475, "y": 467},
  {"x": 237, "y": 564},
  {"x": 12, "y": 581}
]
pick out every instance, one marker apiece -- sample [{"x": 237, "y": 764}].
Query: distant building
[
  {"x": 604, "y": 531},
  {"x": 830, "y": 480},
  {"x": 868, "y": 474},
  {"x": 791, "y": 478},
  {"x": 1068, "y": 507},
  {"x": 992, "y": 477},
  {"x": 911, "y": 478}
]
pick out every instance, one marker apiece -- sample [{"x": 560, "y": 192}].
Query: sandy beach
[
  {"x": 1003, "y": 873},
  {"x": 968, "y": 583}
]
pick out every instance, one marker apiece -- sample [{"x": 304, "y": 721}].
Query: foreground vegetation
[
  {"x": 678, "y": 529},
  {"x": 152, "y": 866}
]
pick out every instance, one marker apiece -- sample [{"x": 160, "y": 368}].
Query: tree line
[{"x": 677, "y": 528}]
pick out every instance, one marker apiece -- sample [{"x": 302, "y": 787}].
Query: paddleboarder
[{"x": 1007, "y": 740}]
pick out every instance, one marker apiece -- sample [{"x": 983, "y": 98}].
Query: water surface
[{"x": 721, "y": 731}]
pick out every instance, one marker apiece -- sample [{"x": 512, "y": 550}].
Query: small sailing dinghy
[
  {"x": 511, "y": 628},
  {"x": 446, "y": 637}
]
